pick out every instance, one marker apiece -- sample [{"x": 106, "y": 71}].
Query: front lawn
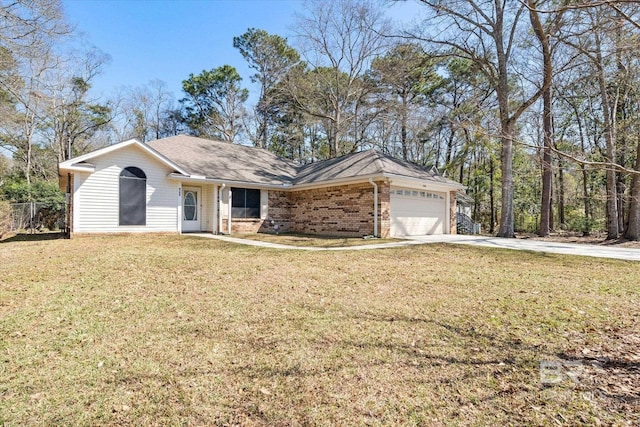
[
  {"x": 313, "y": 241},
  {"x": 179, "y": 330}
]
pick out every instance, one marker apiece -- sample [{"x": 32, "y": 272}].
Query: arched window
[{"x": 133, "y": 196}]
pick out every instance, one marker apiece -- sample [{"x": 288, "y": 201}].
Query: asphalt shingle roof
[
  {"x": 221, "y": 160},
  {"x": 233, "y": 162}
]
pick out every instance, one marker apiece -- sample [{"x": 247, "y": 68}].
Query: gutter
[
  {"x": 434, "y": 184},
  {"x": 375, "y": 207},
  {"x": 244, "y": 184}
]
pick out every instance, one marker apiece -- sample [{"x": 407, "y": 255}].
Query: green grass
[
  {"x": 177, "y": 330},
  {"x": 311, "y": 240}
]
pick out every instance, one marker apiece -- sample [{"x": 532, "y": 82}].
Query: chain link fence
[{"x": 36, "y": 216}]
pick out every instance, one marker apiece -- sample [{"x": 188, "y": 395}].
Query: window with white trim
[{"x": 245, "y": 203}]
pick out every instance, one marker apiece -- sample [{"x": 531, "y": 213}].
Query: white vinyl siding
[
  {"x": 417, "y": 212},
  {"x": 207, "y": 208},
  {"x": 96, "y": 196}
]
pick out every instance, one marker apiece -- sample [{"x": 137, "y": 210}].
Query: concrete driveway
[
  {"x": 535, "y": 246},
  {"x": 492, "y": 242}
]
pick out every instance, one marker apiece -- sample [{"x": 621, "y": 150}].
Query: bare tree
[
  {"x": 485, "y": 32},
  {"x": 340, "y": 38},
  {"x": 28, "y": 30}
]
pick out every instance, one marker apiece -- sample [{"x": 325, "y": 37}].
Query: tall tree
[
  {"x": 544, "y": 32},
  {"x": 406, "y": 73},
  {"x": 214, "y": 103},
  {"x": 341, "y": 38},
  {"x": 271, "y": 57},
  {"x": 486, "y": 33},
  {"x": 28, "y": 31},
  {"x": 145, "y": 111},
  {"x": 70, "y": 117}
]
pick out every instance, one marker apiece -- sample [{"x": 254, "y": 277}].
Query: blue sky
[{"x": 168, "y": 40}]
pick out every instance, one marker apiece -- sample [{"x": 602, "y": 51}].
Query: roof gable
[
  {"x": 81, "y": 163},
  {"x": 366, "y": 164}
]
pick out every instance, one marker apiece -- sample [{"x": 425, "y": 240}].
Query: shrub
[{"x": 51, "y": 201}]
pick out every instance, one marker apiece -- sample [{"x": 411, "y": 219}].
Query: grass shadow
[{"x": 36, "y": 237}]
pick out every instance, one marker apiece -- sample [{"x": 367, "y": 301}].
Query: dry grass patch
[
  {"x": 312, "y": 240},
  {"x": 165, "y": 330}
]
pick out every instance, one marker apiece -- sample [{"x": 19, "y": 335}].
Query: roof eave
[
  {"x": 448, "y": 184},
  {"x": 246, "y": 184},
  {"x": 339, "y": 181}
]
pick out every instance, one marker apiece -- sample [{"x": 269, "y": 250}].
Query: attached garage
[{"x": 416, "y": 212}]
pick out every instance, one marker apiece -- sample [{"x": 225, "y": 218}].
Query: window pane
[
  {"x": 133, "y": 203},
  {"x": 190, "y": 205},
  {"x": 133, "y": 172},
  {"x": 253, "y": 199},
  {"x": 253, "y": 213},
  {"x": 237, "y": 197},
  {"x": 237, "y": 212},
  {"x": 245, "y": 203}
]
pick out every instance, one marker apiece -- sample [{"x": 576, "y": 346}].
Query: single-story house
[{"x": 187, "y": 184}]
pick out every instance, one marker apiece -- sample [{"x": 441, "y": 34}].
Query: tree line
[{"x": 533, "y": 105}]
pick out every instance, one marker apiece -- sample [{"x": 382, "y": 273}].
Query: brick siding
[{"x": 345, "y": 210}]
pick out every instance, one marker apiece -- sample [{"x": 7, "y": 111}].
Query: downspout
[
  {"x": 216, "y": 211},
  {"x": 229, "y": 214},
  {"x": 375, "y": 207},
  {"x": 220, "y": 208},
  {"x": 69, "y": 200}
]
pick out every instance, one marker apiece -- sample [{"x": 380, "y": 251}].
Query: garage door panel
[
  {"x": 416, "y": 226},
  {"x": 417, "y": 212}
]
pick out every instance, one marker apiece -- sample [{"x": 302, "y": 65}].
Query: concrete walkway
[
  {"x": 459, "y": 239},
  {"x": 536, "y": 246}
]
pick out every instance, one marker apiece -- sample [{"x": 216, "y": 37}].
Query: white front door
[{"x": 191, "y": 209}]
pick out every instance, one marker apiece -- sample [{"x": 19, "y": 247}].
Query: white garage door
[{"x": 417, "y": 212}]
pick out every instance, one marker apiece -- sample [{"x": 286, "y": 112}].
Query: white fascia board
[
  {"x": 194, "y": 179},
  {"x": 67, "y": 164},
  {"x": 80, "y": 168},
  {"x": 405, "y": 181},
  {"x": 70, "y": 164},
  {"x": 335, "y": 182},
  {"x": 399, "y": 180}
]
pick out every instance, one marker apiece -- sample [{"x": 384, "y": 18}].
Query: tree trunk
[
  {"x": 633, "y": 226},
  {"x": 403, "y": 127},
  {"x": 612, "y": 199},
  {"x": 492, "y": 203},
  {"x": 547, "y": 125},
  {"x": 561, "y": 207},
  {"x": 506, "y": 167}
]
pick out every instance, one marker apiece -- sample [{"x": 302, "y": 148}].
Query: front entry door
[{"x": 191, "y": 209}]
